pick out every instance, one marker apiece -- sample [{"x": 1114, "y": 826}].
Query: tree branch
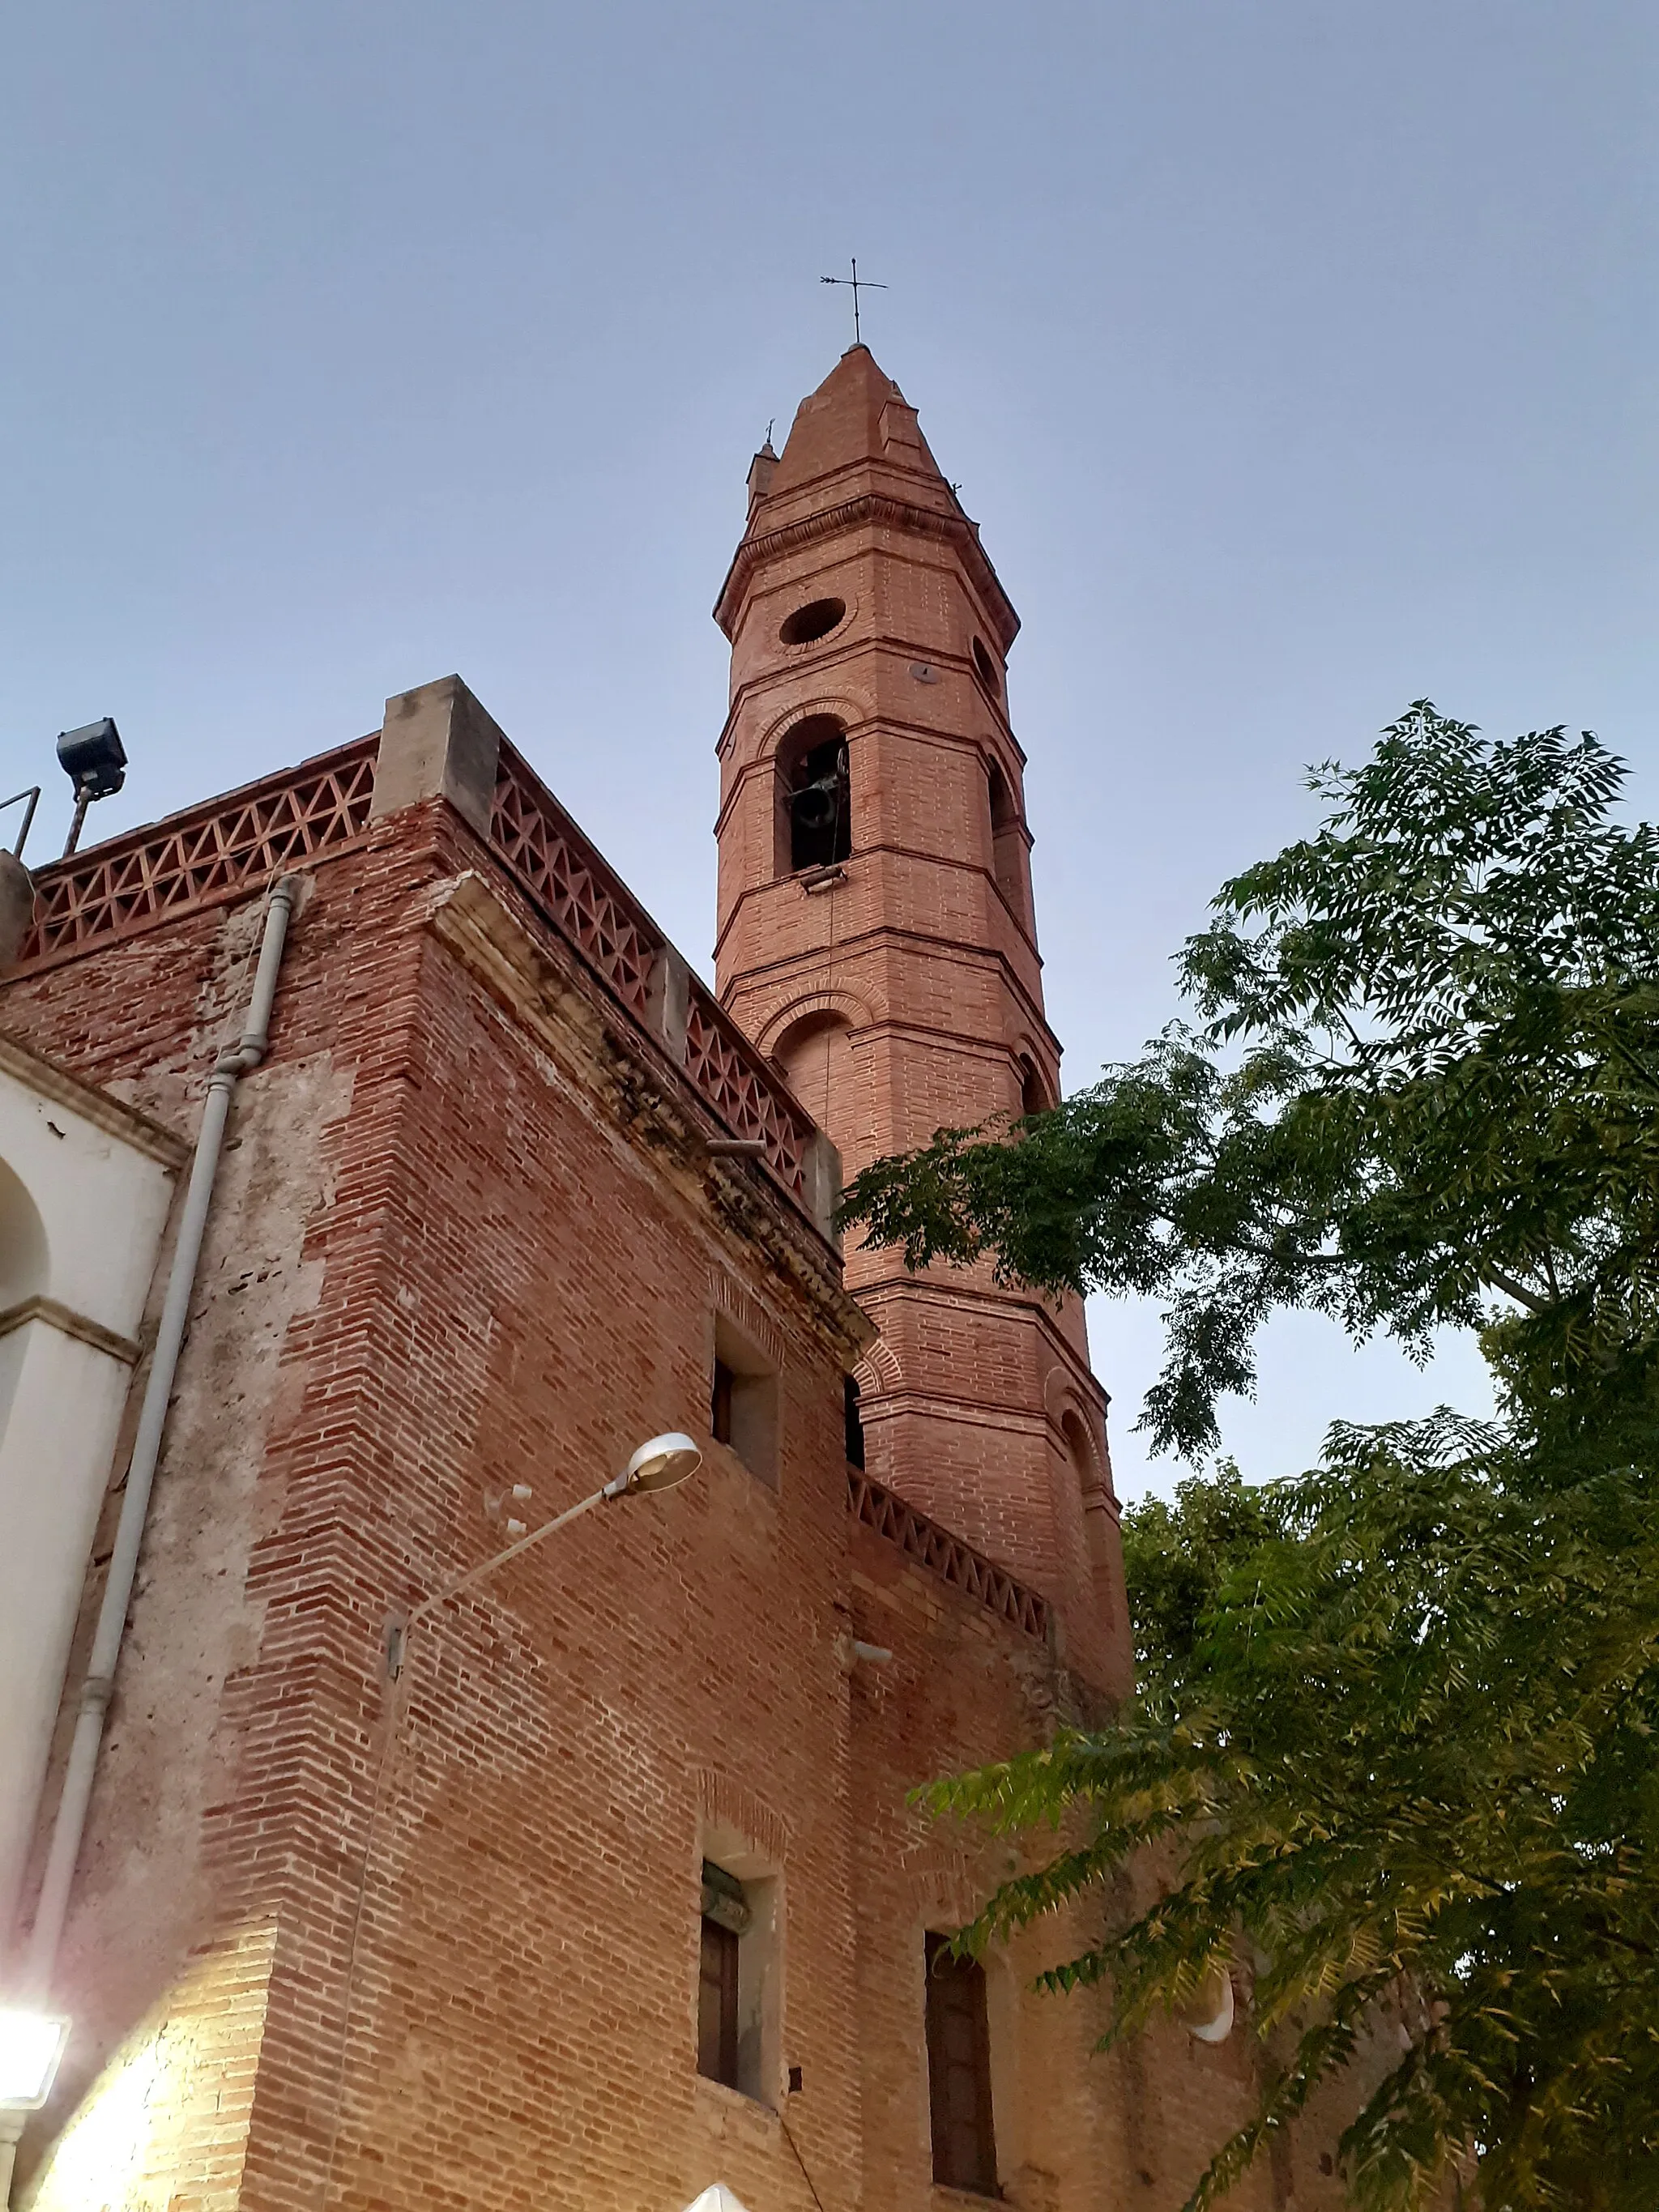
[
  {"x": 1502, "y": 1280},
  {"x": 1634, "y": 1060}
]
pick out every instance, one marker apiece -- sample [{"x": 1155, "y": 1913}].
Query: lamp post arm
[{"x": 398, "y": 1636}]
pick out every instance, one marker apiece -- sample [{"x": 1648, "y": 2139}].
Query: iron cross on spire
[{"x": 858, "y": 284}]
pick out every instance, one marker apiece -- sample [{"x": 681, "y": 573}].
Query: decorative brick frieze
[
  {"x": 944, "y": 1554},
  {"x": 206, "y": 856},
  {"x": 573, "y": 884},
  {"x": 228, "y": 848}
]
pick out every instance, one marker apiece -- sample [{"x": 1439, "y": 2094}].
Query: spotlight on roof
[
  {"x": 31, "y": 2045},
  {"x": 94, "y": 760}
]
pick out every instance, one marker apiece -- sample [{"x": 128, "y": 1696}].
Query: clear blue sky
[{"x": 1298, "y": 359}]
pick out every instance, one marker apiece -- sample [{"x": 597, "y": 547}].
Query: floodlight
[
  {"x": 31, "y": 2045},
  {"x": 94, "y": 760}
]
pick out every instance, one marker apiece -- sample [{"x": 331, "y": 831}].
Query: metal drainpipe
[{"x": 40, "y": 1957}]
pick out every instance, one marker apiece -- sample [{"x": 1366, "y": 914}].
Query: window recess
[
  {"x": 725, "y": 1920},
  {"x": 959, "y": 2071},
  {"x": 738, "y": 2009},
  {"x": 743, "y": 1401}
]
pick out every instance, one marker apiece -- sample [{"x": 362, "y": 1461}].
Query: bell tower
[{"x": 877, "y": 939}]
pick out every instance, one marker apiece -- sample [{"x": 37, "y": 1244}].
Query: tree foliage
[{"x": 1395, "y": 1732}]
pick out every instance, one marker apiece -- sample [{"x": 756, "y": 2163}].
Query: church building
[{"x": 378, "y": 1183}]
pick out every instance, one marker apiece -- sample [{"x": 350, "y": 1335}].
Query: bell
[{"x": 817, "y": 806}]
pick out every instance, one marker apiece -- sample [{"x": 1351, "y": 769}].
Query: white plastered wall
[{"x": 85, "y": 1187}]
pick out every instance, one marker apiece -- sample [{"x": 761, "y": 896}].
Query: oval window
[
  {"x": 987, "y": 670},
  {"x": 815, "y": 620}
]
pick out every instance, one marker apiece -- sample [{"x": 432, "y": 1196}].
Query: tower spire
[
  {"x": 877, "y": 939},
  {"x": 858, "y": 436}
]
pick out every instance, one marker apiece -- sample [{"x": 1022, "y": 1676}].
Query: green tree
[
  {"x": 1396, "y": 1728},
  {"x": 1176, "y": 1557}
]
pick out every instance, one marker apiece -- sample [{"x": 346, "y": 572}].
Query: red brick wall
[{"x": 338, "y": 1944}]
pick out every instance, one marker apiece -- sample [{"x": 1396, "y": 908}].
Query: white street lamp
[
  {"x": 31, "y": 2045},
  {"x": 662, "y": 1464}
]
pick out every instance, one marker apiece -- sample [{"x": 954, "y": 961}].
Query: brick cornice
[
  {"x": 1030, "y": 1309},
  {"x": 764, "y": 976},
  {"x": 883, "y": 512}
]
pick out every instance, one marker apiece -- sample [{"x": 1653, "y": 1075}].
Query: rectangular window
[
  {"x": 717, "y": 2004},
  {"x": 720, "y": 1410},
  {"x": 959, "y": 2071},
  {"x": 854, "y": 1423},
  {"x": 743, "y": 1401}
]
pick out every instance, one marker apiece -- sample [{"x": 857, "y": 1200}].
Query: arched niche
[
  {"x": 23, "y": 1257},
  {"x": 1008, "y": 842},
  {"x": 1035, "y": 1095},
  {"x": 1085, "y": 1447},
  {"x": 1079, "y": 1453},
  {"x": 814, "y": 1055},
  {"x": 25, "y": 1270}
]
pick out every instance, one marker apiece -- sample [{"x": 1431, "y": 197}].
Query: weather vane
[{"x": 858, "y": 284}]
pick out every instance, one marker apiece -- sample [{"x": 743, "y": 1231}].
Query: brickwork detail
[
  {"x": 221, "y": 851},
  {"x": 575, "y": 887},
  {"x": 566, "y": 877},
  {"x": 735, "y": 1081},
  {"x": 166, "y": 2122},
  {"x": 721, "y": 1798},
  {"x": 211, "y": 853},
  {"x": 944, "y": 1554}
]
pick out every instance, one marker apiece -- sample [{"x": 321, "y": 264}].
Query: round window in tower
[
  {"x": 987, "y": 670},
  {"x": 815, "y": 620}
]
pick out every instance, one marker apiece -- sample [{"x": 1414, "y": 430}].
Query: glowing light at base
[{"x": 31, "y": 2045}]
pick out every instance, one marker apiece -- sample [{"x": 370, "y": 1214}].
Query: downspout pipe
[{"x": 68, "y": 1824}]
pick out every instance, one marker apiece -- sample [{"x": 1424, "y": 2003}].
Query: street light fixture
[
  {"x": 662, "y": 1464},
  {"x": 31, "y": 2045},
  {"x": 32, "y": 2040}
]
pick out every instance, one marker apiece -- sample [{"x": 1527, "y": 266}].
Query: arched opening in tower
[
  {"x": 1088, "y": 1473},
  {"x": 1007, "y": 845},
  {"x": 1034, "y": 1094},
  {"x": 815, "y": 820}
]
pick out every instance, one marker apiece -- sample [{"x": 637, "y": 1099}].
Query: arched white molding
[
  {"x": 23, "y": 1259},
  {"x": 85, "y": 1186}
]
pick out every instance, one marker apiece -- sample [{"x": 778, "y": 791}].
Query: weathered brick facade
[{"x": 344, "y": 1943}]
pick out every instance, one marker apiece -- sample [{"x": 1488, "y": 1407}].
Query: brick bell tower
[{"x": 876, "y": 941}]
